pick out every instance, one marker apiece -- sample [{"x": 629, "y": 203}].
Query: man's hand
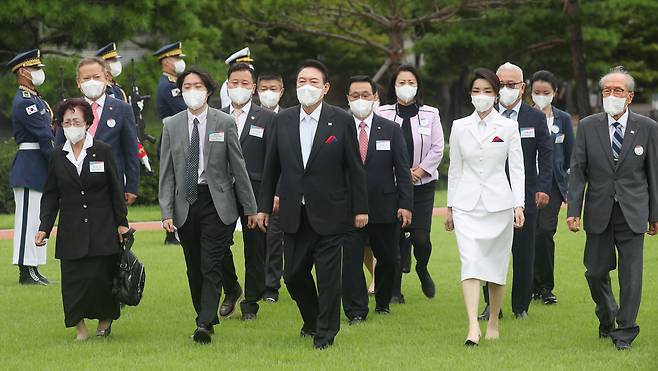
[
  {"x": 122, "y": 230},
  {"x": 417, "y": 173},
  {"x": 252, "y": 221},
  {"x": 404, "y": 216},
  {"x": 541, "y": 199},
  {"x": 168, "y": 225},
  {"x": 519, "y": 218},
  {"x": 130, "y": 198},
  {"x": 40, "y": 239},
  {"x": 573, "y": 222},
  {"x": 275, "y": 205},
  {"x": 263, "y": 221},
  {"x": 653, "y": 229},
  {"x": 449, "y": 224},
  {"x": 360, "y": 220}
]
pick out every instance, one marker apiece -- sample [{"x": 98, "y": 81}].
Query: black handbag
[{"x": 130, "y": 276}]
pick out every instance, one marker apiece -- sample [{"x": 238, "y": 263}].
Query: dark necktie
[
  {"x": 192, "y": 166},
  {"x": 617, "y": 141},
  {"x": 509, "y": 113}
]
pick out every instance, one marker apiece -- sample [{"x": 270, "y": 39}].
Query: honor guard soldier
[
  {"x": 31, "y": 118},
  {"x": 169, "y": 100},
  {"x": 110, "y": 55},
  {"x": 241, "y": 56}
]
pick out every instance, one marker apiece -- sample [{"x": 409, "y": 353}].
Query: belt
[{"x": 28, "y": 146}]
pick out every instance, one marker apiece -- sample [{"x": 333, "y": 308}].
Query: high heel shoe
[
  {"x": 471, "y": 343},
  {"x": 105, "y": 333}
]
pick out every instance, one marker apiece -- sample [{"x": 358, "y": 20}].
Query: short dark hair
[
  {"x": 419, "y": 83},
  {"x": 314, "y": 63},
  {"x": 546, "y": 76},
  {"x": 270, "y": 76},
  {"x": 360, "y": 78},
  {"x": 208, "y": 81},
  {"x": 71, "y": 105},
  {"x": 242, "y": 67},
  {"x": 488, "y": 75}
]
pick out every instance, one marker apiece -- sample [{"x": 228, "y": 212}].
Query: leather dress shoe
[
  {"x": 202, "y": 336},
  {"x": 248, "y": 316},
  {"x": 380, "y": 310},
  {"x": 356, "y": 320},
  {"x": 305, "y": 333},
  {"x": 271, "y": 298},
  {"x": 484, "y": 316},
  {"x": 230, "y": 302},
  {"x": 548, "y": 297},
  {"x": 323, "y": 345},
  {"x": 536, "y": 295},
  {"x": 395, "y": 299},
  {"x": 521, "y": 315},
  {"x": 621, "y": 344},
  {"x": 30, "y": 276}
]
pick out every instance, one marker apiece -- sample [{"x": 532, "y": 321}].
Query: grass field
[{"x": 421, "y": 335}]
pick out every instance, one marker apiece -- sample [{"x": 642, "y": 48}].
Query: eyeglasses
[
  {"x": 617, "y": 92},
  {"x": 510, "y": 85},
  {"x": 76, "y": 123}
]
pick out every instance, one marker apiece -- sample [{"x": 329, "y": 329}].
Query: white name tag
[
  {"x": 527, "y": 132},
  {"x": 256, "y": 131},
  {"x": 425, "y": 131},
  {"x": 559, "y": 138},
  {"x": 383, "y": 145},
  {"x": 96, "y": 166},
  {"x": 216, "y": 137}
]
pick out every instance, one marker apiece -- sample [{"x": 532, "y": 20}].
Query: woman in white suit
[{"x": 483, "y": 205}]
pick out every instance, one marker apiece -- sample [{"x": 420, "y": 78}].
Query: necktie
[
  {"x": 509, "y": 113},
  {"x": 617, "y": 141},
  {"x": 236, "y": 113},
  {"x": 97, "y": 117},
  {"x": 363, "y": 141},
  {"x": 192, "y": 166}
]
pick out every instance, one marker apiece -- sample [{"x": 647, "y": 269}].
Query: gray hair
[
  {"x": 91, "y": 60},
  {"x": 510, "y": 66},
  {"x": 630, "y": 81}
]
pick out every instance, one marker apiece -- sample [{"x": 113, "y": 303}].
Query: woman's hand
[
  {"x": 519, "y": 218},
  {"x": 122, "y": 230},
  {"x": 417, "y": 173},
  {"x": 40, "y": 239},
  {"x": 449, "y": 224}
]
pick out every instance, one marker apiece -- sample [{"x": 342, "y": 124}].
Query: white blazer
[{"x": 477, "y": 164}]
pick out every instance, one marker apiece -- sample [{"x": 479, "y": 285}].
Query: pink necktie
[
  {"x": 363, "y": 141},
  {"x": 97, "y": 117}
]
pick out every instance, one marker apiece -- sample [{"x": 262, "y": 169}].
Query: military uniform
[
  {"x": 108, "y": 53},
  {"x": 31, "y": 119}
]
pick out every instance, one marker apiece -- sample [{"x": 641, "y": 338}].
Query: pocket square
[
  {"x": 331, "y": 139},
  {"x": 497, "y": 139}
]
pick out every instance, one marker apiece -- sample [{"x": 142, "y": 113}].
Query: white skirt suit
[{"x": 481, "y": 196}]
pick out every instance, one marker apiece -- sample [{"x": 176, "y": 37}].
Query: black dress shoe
[
  {"x": 384, "y": 311},
  {"x": 230, "y": 303},
  {"x": 536, "y": 295},
  {"x": 356, "y": 320},
  {"x": 323, "y": 345},
  {"x": 426, "y": 282},
  {"x": 549, "y": 298},
  {"x": 29, "y": 276},
  {"x": 248, "y": 316},
  {"x": 305, "y": 333},
  {"x": 271, "y": 298},
  {"x": 484, "y": 316},
  {"x": 202, "y": 335},
  {"x": 397, "y": 299},
  {"x": 41, "y": 276},
  {"x": 621, "y": 344},
  {"x": 521, "y": 315}
]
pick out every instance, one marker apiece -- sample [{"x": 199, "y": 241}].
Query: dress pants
[
  {"x": 382, "y": 238},
  {"x": 205, "y": 240},
  {"x": 600, "y": 259},
  {"x": 274, "y": 257},
  {"x": 319, "y": 307},
  {"x": 547, "y": 219}
]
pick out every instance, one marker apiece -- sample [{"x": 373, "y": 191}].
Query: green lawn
[{"x": 421, "y": 335}]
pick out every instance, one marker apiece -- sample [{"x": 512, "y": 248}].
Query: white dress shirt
[
  {"x": 516, "y": 110},
  {"x": 242, "y": 119},
  {"x": 622, "y": 120},
  {"x": 202, "y": 139},
  {"x": 367, "y": 121},
  {"x": 308, "y": 124},
  {"x": 100, "y": 101},
  {"x": 77, "y": 162}
]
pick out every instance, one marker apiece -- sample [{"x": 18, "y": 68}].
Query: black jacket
[{"x": 91, "y": 205}]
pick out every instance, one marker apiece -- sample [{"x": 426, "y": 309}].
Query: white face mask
[
  {"x": 375, "y": 106},
  {"x": 75, "y": 133},
  {"x": 38, "y": 77},
  {"x": 92, "y": 89},
  {"x": 614, "y": 106},
  {"x": 361, "y": 108},
  {"x": 116, "y": 68},
  {"x": 406, "y": 93},
  {"x": 308, "y": 95},
  {"x": 179, "y": 66},
  {"x": 542, "y": 101},
  {"x": 509, "y": 96},
  {"x": 482, "y": 102},
  {"x": 195, "y": 99},
  {"x": 269, "y": 98},
  {"x": 240, "y": 96}
]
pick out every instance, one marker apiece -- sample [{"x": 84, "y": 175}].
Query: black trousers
[
  {"x": 319, "y": 307},
  {"x": 600, "y": 259},
  {"x": 205, "y": 240},
  {"x": 273, "y": 257},
  {"x": 547, "y": 220},
  {"x": 382, "y": 238},
  {"x": 523, "y": 263}
]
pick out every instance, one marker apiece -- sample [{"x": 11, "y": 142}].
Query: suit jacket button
[
  {"x": 82, "y": 192},
  {"x": 85, "y": 206},
  {"x": 86, "y": 220}
]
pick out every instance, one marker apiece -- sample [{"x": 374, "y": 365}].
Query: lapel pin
[
  {"x": 329, "y": 124},
  {"x": 110, "y": 108},
  {"x": 93, "y": 155},
  {"x": 379, "y": 128},
  {"x": 632, "y": 131},
  {"x": 253, "y": 117}
]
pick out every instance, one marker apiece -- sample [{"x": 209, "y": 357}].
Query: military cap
[{"x": 31, "y": 58}]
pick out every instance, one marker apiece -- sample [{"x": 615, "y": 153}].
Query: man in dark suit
[
  {"x": 537, "y": 153},
  {"x": 253, "y": 130},
  {"x": 322, "y": 195},
  {"x": 616, "y": 158},
  {"x": 384, "y": 156},
  {"x": 114, "y": 123}
]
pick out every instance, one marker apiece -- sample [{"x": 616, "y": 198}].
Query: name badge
[
  {"x": 383, "y": 145},
  {"x": 216, "y": 137},
  {"x": 555, "y": 129},
  {"x": 559, "y": 138},
  {"x": 175, "y": 92},
  {"x": 527, "y": 132},
  {"x": 111, "y": 123},
  {"x": 425, "y": 131},
  {"x": 96, "y": 166},
  {"x": 638, "y": 150},
  {"x": 256, "y": 131}
]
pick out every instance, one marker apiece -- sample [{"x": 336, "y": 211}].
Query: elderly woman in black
[{"x": 83, "y": 187}]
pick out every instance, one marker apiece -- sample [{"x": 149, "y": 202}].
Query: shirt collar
[
  {"x": 490, "y": 119},
  {"x": 89, "y": 141},
  {"x": 201, "y": 117},
  {"x": 100, "y": 101},
  {"x": 367, "y": 120},
  {"x": 245, "y": 109},
  {"x": 622, "y": 120},
  {"x": 516, "y": 108},
  {"x": 315, "y": 115}
]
